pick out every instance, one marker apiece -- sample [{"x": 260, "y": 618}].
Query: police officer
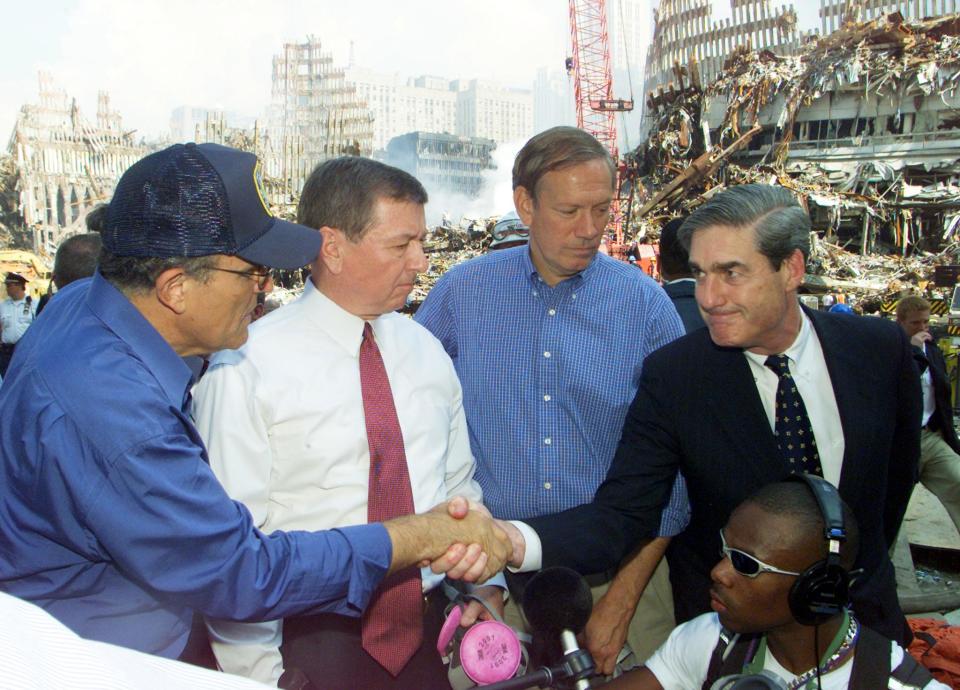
[{"x": 17, "y": 312}]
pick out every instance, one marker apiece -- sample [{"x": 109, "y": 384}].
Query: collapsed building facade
[
  {"x": 444, "y": 162},
  {"x": 315, "y": 114},
  {"x": 61, "y": 164},
  {"x": 861, "y": 125}
]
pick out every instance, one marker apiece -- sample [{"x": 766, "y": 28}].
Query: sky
[{"x": 154, "y": 55}]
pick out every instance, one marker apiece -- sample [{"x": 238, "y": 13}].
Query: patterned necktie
[
  {"x": 792, "y": 425},
  {"x": 393, "y": 621}
]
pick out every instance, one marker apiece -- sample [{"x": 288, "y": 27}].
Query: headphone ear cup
[{"x": 820, "y": 592}]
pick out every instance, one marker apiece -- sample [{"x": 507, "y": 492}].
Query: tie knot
[
  {"x": 780, "y": 364},
  {"x": 367, "y": 331}
]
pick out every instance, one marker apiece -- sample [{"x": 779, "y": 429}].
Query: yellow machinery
[{"x": 30, "y": 266}]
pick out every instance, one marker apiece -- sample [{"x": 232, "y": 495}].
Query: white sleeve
[
  {"x": 683, "y": 660},
  {"x": 532, "y": 551},
  {"x": 231, "y": 421},
  {"x": 233, "y": 424},
  {"x": 460, "y": 465},
  {"x": 896, "y": 657}
]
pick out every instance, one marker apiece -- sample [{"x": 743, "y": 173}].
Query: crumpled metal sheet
[{"x": 887, "y": 57}]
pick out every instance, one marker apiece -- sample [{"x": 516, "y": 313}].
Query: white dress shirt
[
  {"x": 926, "y": 389},
  {"x": 283, "y": 422},
  {"x": 15, "y": 318},
  {"x": 809, "y": 371}
]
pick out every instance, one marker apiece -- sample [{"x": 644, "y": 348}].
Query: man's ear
[
  {"x": 796, "y": 269},
  {"x": 331, "y": 251},
  {"x": 171, "y": 287},
  {"x": 525, "y": 204}
]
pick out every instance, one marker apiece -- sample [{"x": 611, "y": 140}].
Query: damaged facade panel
[
  {"x": 444, "y": 162},
  {"x": 64, "y": 164},
  {"x": 861, "y": 125}
]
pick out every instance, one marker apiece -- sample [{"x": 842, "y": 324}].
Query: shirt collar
[
  {"x": 344, "y": 328},
  {"x": 126, "y": 321},
  {"x": 796, "y": 351},
  {"x": 530, "y": 270}
]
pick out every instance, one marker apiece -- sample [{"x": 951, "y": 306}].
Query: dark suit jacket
[
  {"x": 681, "y": 294},
  {"x": 942, "y": 418},
  {"x": 698, "y": 411}
]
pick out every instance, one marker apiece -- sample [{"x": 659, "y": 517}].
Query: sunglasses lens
[{"x": 744, "y": 564}]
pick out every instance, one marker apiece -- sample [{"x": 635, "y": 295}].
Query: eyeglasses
[
  {"x": 745, "y": 564},
  {"x": 260, "y": 274}
]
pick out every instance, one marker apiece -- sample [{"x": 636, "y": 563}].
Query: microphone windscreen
[{"x": 557, "y": 599}]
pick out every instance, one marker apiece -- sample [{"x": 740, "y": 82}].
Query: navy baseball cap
[{"x": 202, "y": 199}]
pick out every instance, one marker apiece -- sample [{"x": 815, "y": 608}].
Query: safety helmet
[
  {"x": 509, "y": 229},
  {"x": 841, "y": 308}
]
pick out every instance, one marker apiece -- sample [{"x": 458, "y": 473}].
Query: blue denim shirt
[
  {"x": 110, "y": 517},
  {"x": 548, "y": 374}
]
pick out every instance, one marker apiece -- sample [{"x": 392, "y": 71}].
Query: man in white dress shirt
[{"x": 286, "y": 420}]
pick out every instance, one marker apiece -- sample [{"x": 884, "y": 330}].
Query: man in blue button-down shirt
[
  {"x": 110, "y": 517},
  {"x": 549, "y": 342}
]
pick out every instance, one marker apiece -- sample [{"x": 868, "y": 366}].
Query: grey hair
[
  {"x": 780, "y": 224},
  {"x": 138, "y": 274}
]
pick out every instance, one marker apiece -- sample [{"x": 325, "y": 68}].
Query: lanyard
[{"x": 840, "y": 647}]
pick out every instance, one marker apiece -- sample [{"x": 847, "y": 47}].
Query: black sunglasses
[{"x": 745, "y": 564}]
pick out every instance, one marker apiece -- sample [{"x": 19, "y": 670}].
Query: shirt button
[
  {"x": 552, "y": 312},
  {"x": 547, "y": 441},
  {"x": 535, "y": 293},
  {"x": 547, "y": 485},
  {"x": 547, "y": 355},
  {"x": 547, "y": 398},
  {"x": 573, "y": 296}
]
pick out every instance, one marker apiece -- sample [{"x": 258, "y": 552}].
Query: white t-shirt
[{"x": 682, "y": 661}]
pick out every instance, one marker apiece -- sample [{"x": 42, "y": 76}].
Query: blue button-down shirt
[
  {"x": 110, "y": 517},
  {"x": 548, "y": 373}
]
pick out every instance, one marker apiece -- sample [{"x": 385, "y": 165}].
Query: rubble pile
[
  {"x": 446, "y": 246},
  {"x": 886, "y": 211}
]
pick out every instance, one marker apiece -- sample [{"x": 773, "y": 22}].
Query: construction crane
[{"x": 593, "y": 90}]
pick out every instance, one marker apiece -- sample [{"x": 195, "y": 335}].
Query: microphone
[{"x": 557, "y": 602}]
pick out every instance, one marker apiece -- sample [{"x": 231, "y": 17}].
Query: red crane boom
[{"x": 593, "y": 89}]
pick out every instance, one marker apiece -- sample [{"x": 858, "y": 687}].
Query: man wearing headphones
[{"x": 779, "y": 596}]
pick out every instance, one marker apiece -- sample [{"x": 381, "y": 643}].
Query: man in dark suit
[
  {"x": 678, "y": 283},
  {"x": 939, "y": 449},
  {"x": 710, "y": 406}
]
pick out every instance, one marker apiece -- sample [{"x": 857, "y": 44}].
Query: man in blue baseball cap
[{"x": 110, "y": 517}]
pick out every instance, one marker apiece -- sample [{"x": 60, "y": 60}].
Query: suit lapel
[{"x": 734, "y": 399}]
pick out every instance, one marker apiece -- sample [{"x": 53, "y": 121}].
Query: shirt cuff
[
  {"x": 533, "y": 550},
  {"x": 498, "y": 580}
]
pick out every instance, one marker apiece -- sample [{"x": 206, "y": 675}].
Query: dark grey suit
[
  {"x": 698, "y": 411},
  {"x": 681, "y": 293}
]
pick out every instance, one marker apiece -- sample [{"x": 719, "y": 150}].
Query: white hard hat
[{"x": 509, "y": 229}]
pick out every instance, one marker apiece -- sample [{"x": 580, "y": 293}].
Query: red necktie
[{"x": 393, "y": 621}]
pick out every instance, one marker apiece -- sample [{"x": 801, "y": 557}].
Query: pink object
[
  {"x": 449, "y": 629},
  {"x": 489, "y": 652}
]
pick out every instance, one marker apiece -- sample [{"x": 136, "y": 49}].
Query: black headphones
[{"x": 822, "y": 590}]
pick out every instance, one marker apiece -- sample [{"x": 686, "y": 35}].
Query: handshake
[{"x": 459, "y": 538}]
